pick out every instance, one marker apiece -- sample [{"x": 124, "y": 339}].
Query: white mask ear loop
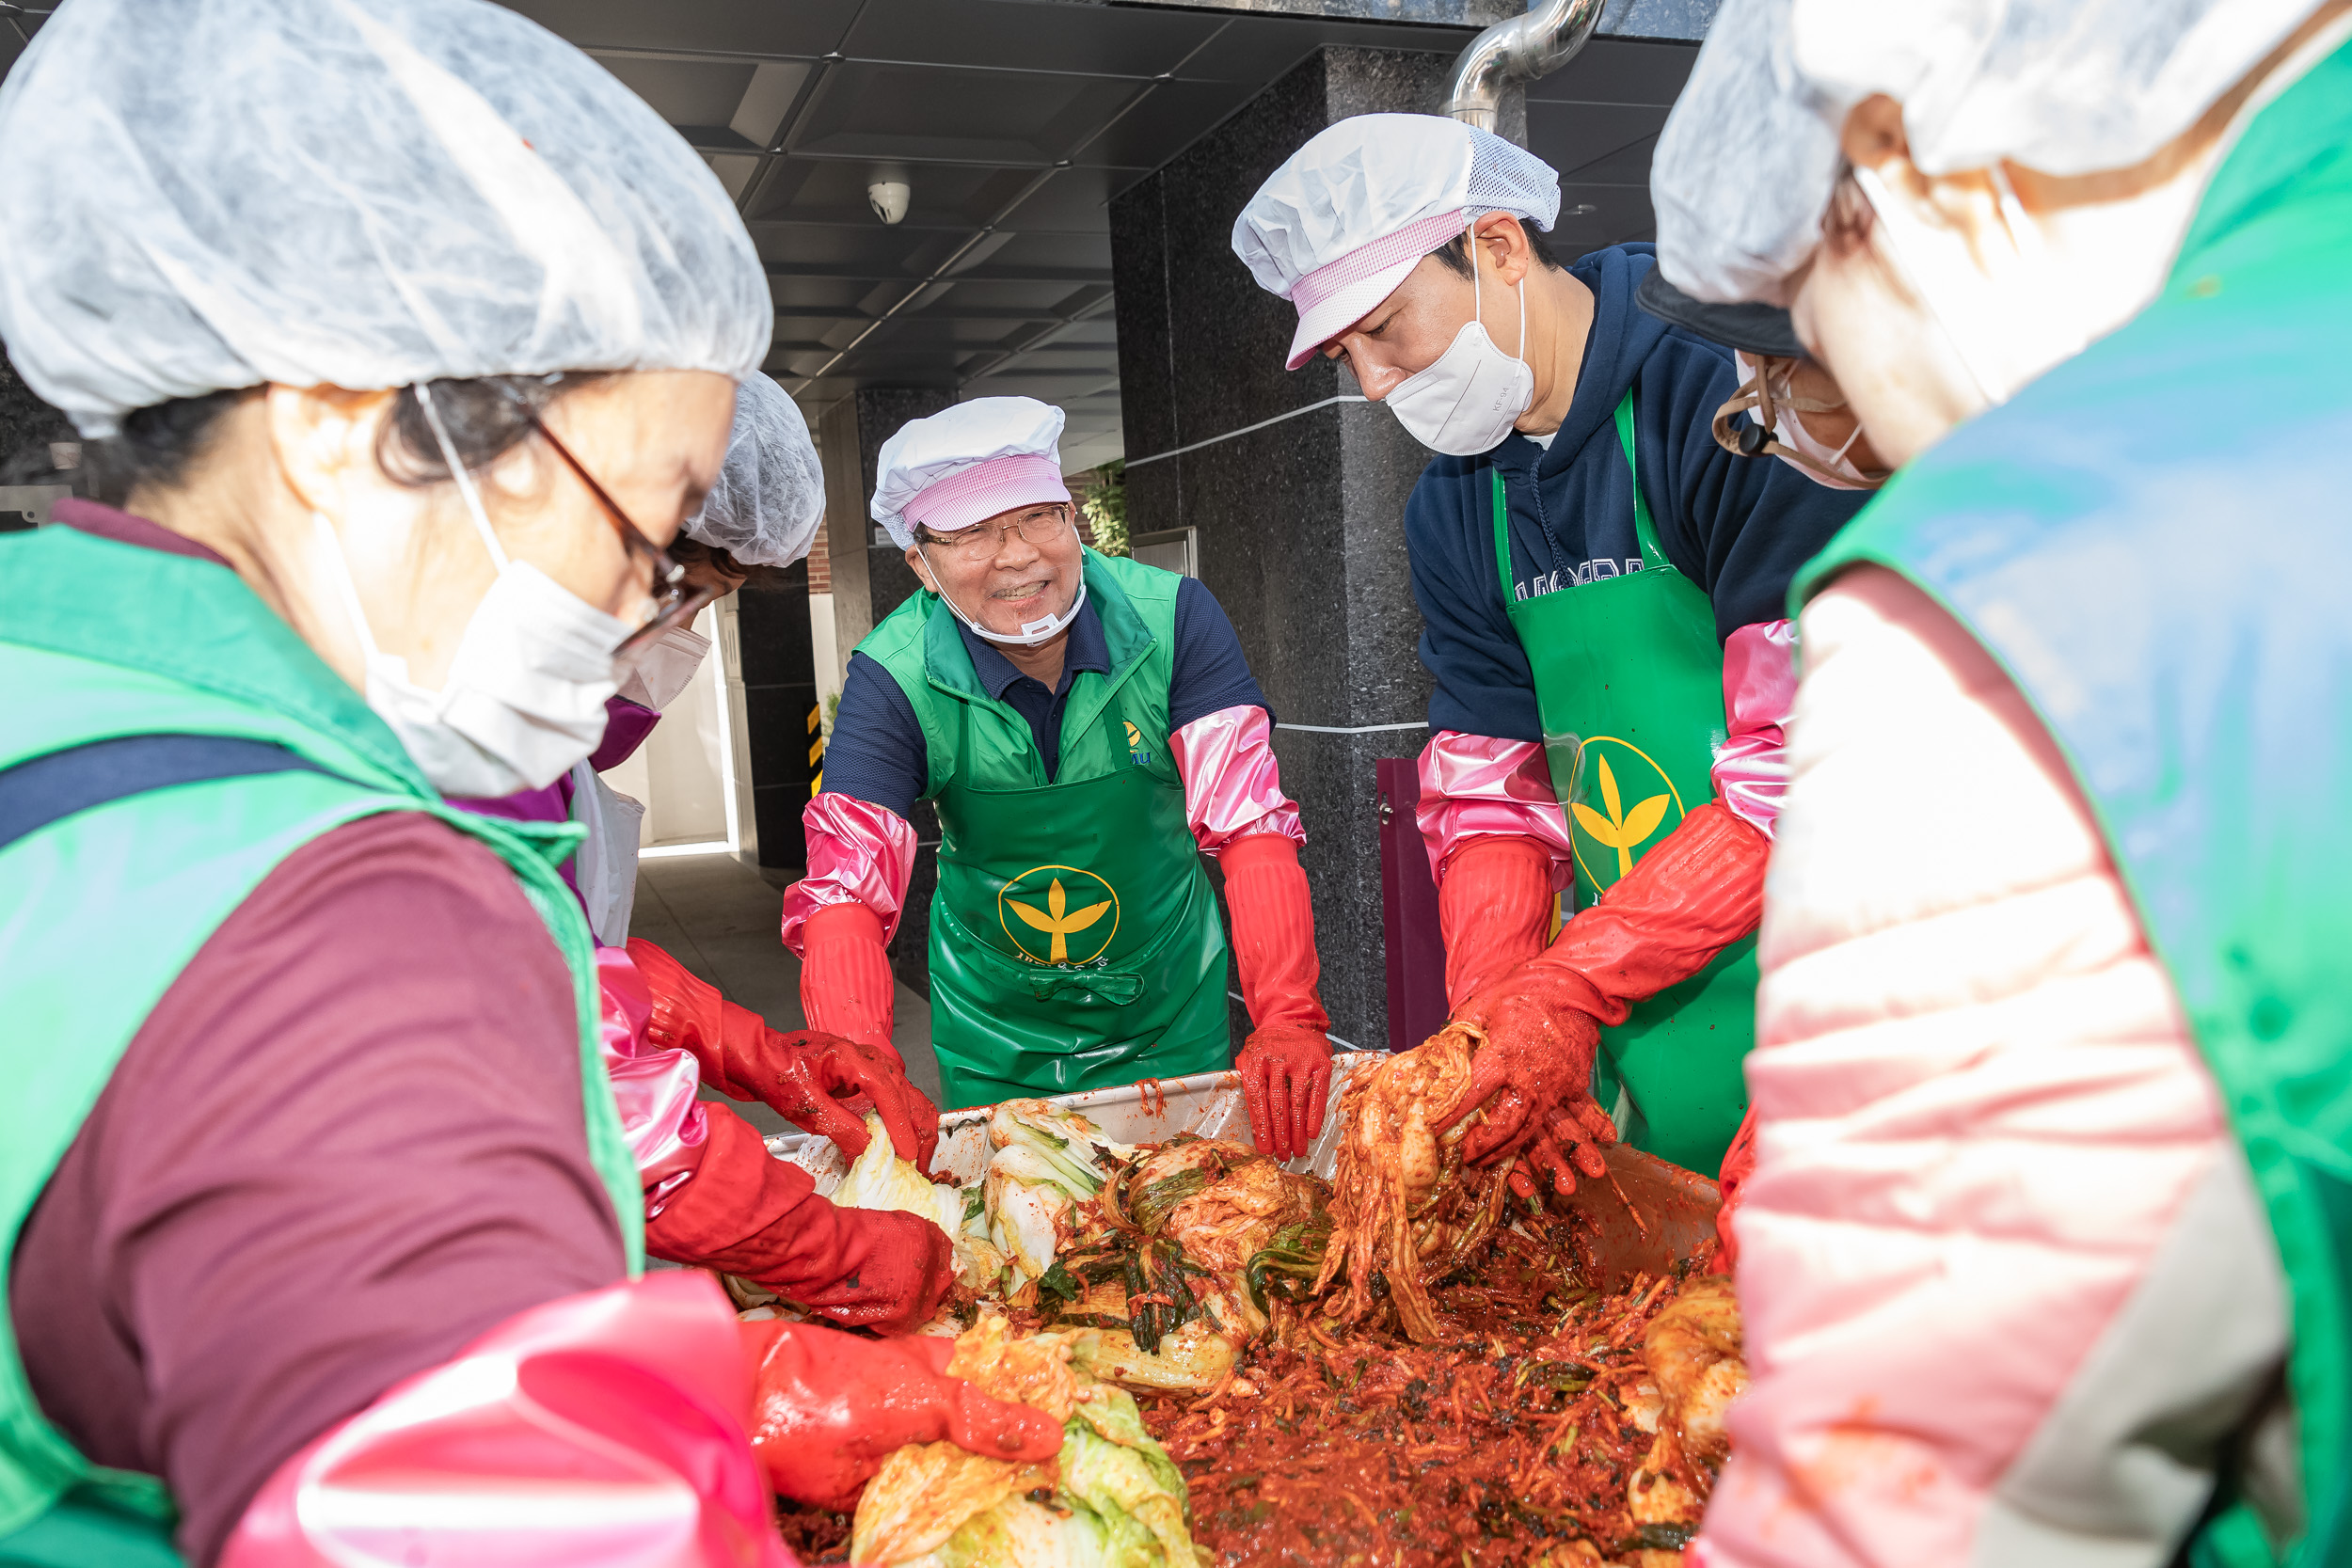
[
  {"x": 1478, "y": 302},
  {"x": 459, "y": 471},
  {"x": 345, "y": 589},
  {"x": 933, "y": 565}
]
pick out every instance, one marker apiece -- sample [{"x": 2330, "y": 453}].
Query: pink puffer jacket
[{"x": 2005, "y": 1282}]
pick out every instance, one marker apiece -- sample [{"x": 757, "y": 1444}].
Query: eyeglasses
[
  {"x": 675, "y": 601},
  {"x": 981, "y": 542}
]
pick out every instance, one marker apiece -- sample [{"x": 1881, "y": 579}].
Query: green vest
[
  {"x": 2155, "y": 541},
  {"x": 1074, "y": 939},
  {"x": 100, "y": 911}
]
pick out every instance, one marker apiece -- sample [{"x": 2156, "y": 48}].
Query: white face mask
[
  {"x": 655, "y": 673},
  {"x": 525, "y": 695},
  {"x": 1043, "y": 629},
  {"x": 2026, "y": 300},
  {"x": 1467, "y": 402},
  {"x": 1778, "y": 415}
]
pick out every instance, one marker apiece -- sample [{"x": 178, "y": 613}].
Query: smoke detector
[{"x": 887, "y": 194}]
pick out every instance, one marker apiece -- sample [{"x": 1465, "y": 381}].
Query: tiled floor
[{"x": 719, "y": 917}]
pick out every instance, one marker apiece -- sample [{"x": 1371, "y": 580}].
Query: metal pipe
[{"x": 1521, "y": 48}]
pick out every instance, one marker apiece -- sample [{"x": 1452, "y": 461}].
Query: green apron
[
  {"x": 1076, "y": 941},
  {"x": 1630, "y": 688}
]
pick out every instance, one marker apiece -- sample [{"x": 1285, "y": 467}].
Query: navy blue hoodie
[{"x": 1739, "y": 527}]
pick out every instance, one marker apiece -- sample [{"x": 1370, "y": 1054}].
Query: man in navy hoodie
[{"x": 1612, "y": 658}]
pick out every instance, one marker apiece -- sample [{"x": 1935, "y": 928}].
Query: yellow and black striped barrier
[{"x": 816, "y": 748}]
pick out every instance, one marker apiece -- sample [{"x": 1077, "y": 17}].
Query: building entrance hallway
[{"x": 719, "y": 918}]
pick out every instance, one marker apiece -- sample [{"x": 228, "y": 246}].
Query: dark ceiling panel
[
  {"x": 740, "y": 28},
  {"x": 1172, "y": 114},
  {"x": 1628, "y": 165},
  {"x": 1032, "y": 253},
  {"x": 691, "y": 91},
  {"x": 1258, "y": 48},
  {"x": 1593, "y": 216},
  {"x": 1074, "y": 201},
  {"x": 1033, "y": 301},
  {"x": 1108, "y": 42},
  {"x": 1585, "y": 142},
  {"x": 1612, "y": 70},
  {"x": 963, "y": 197},
  {"x": 809, "y": 295},
  {"x": 939, "y": 113}
]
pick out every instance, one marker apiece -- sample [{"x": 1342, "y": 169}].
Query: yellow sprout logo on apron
[
  {"x": 1636, "y": 802},
  {"x": 1040, "y": 914}
]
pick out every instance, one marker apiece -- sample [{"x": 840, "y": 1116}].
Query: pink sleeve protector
[
  {"x": 1232, "y": 784},
  {"x": 858, "y": 852},
  {"x": 664, "y": 1123},
  {"x": 1474, "y": 786},
  {"x": 606, "y": 1430},
  {"x": 1759, "y": 687}
]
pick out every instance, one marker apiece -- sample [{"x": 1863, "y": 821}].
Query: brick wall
[{"x": 819, "y": 564}]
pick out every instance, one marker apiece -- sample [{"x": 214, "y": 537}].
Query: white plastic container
[{"x": 1650, "y": 1214}]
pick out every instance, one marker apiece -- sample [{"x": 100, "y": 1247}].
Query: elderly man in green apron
[
  {"x": 1087, "y": 730},
  {"x": 1601, "y": 585}
]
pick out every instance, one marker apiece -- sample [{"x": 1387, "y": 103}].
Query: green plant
[{"x": 1106, "y": 508}]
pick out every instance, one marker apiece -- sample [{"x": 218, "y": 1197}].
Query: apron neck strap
[{"x": 1644, "y": 527}]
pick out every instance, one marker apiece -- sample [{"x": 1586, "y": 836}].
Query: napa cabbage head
[
  {"x": 1046, "y": 1160},
  {"x": 1111, "y": 1499},
  {"x": 878, "y": 1178}
]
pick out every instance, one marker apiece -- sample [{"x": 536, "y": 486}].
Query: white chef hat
[
  {"x": 771, "y": 493},
  {"x": 213, "y": 194},
  {"x": 966, "y": 464},
  {"x": 1335, "y": 230},
  {"x": 1752, "y": 151}
]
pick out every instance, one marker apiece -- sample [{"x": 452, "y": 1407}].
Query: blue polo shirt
[{"x": 878, "y": 753}]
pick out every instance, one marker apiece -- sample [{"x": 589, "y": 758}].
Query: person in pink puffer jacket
[{"x": 2038, "y": 1259}]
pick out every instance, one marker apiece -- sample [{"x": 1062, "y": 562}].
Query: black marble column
[
  {"x": 29, "y": 480},
  {"x": 1300, "y": 522},
  {"x": 779, "y": 697},
  {"x": 869, "y": 580}
]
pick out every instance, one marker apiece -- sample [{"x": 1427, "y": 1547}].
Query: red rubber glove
[
  {"x": 806, "y": 1075},
  {"x": 829, "y": 1408},
  {"x": 1738, "y": 1164},
  {"x": 1494, "y": 909},
  {"x": 1286, "y": 1080},
  {"x": 845, "y": 984},
  {"x": 745, "y": 1213},
  {"x": 1688, "y": 898},
  {"x": 1285, "y": 1065}
]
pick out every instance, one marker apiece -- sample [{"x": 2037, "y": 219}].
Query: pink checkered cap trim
[
  {"x": 976, "y": 493},
  {"x": 1339, "y": 292}
]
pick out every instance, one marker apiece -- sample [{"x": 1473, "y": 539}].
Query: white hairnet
[
  {"x": 1751, "y": 153},
  {"x": 771, "y": 494},
  {"x": 213, "y": 194},
  {"x": 967, "y": 463},
  {"x": 1338, "y": 227}
]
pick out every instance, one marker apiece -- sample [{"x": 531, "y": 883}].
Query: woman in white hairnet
[
  {"x": 322, "y": 1233},
  {"x": 712, "y": 1195},
  {"x": 2046, "y": 1256}
]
